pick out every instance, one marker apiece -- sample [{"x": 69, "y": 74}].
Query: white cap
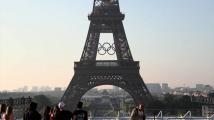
[{"x": 61, "y": 105}]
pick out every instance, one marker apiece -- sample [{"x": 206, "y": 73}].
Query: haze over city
[{"x": 40, "y": 40}]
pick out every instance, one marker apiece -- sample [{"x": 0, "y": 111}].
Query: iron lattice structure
[{"x": 89, "y": 72}]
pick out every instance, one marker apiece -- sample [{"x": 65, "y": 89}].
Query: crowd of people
[
  {"x": 55, "y": 113},
  {"x": 58, "y": 113},
  {"x": 6, "y": 112}
]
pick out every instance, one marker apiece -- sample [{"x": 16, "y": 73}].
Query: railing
[
  {"x": 148, "y": 118},
  {"x": 107, "y": 63},
  {"x": 15, "y": 101},
  {"x": 212, "y": 116},
  {"x": 188, "y": 114},
  {"x": 152, "y": 118},
  {"x": 160, "y": 116}
]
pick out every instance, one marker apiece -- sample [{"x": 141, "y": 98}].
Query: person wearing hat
[{"x": 138, "y": 113}]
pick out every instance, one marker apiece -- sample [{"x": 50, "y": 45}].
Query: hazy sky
[{"x": 41, "y": 39}]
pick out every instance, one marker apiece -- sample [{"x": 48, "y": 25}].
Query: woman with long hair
[
  {"x": 3, "y": 108},
  {"x": 8, "y": 115}
]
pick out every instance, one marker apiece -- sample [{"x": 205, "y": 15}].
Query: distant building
[
  {"x": 34, "y": 89},
  {"x": 199, "y": 93},
  {"x": 154, "y": 88},
  {"x": 166, "y": 88},
  {"x": 211, "y": 94},
  {"x": 45, "y": 88},
  {"x": 200, "y": 87},
  {"x": 57, "y": 89},
  {"x": 208, "y": 88},
  {"x": 207, "y": 110},
  {"x": 182, "y": 91}
]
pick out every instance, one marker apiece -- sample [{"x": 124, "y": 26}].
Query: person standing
[
  {"x": 54, "y": 113},
  {"x": 80, "y": 114},
  {"x": 47, "y": 113},
  {"x": 32, "y": 113},
  {"x": 3, "y": 110},
  {"x": 9, "y": 114},
  {"x": 138, "y": 113},
  {"x": 63, "y": 114}
]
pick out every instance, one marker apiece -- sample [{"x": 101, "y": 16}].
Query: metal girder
[
  {"x": 88, "y": 77},
  {"x": 123, "y": 72}
]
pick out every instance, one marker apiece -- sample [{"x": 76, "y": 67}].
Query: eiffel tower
[{"x": 89, "y": 72}]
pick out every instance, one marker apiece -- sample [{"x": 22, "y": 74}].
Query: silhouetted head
[
  {"x": 3, "y": 108},
  {"x": 33, "y": 106},
  {"x": 79, "y": 105}
]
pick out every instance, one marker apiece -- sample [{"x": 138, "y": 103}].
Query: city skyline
[
  {"x": 39, "y": 41},
  {"x": 52, "y": 88}
]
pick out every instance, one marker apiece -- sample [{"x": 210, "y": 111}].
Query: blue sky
[{"x": 40, "y": 40}]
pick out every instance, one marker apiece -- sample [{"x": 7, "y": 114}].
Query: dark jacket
[
  {"x": 32, "y": 115},
  {"x": 136, "y": 116},
  {"x": 64, "y": 115},
  {"x": 80, "y": 115}
]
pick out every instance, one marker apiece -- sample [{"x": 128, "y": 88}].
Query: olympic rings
[{"x": 106, "y": 48}]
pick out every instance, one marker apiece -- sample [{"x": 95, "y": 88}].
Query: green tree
[{"x": 42, "y": 101}]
